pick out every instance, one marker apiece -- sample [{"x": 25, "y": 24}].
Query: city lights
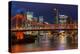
[{"x": 39, "y": 29}]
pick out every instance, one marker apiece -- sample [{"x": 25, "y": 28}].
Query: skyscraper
[
  {"x": 41, "y": 19},
  {"x": 29, "y": 15},
  {"x": 63, "y": 19},
  {"x": 56, "y": 15}
]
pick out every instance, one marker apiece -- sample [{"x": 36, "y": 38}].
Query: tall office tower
[
  {"x": 56, "y": 15},
  {"x": 63, "y": 19},
  {"x": 41, "y": 19},
  {"x": 29, "y": 15}
]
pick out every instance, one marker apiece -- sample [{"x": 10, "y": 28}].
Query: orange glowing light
[
  {"x": 19, "y": 16},
  {"x": 19, "y": 35}
]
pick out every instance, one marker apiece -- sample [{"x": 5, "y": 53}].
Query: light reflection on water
[
  {"x": 34, "y": 47},
  {"x": 42, "y": 45}
]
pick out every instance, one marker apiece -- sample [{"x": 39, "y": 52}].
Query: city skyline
[
  {"x": 45, "y": 10},
  {"x": 42, "y": 26}
]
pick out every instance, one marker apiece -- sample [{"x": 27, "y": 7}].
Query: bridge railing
[{"x": 52, "y": 26}]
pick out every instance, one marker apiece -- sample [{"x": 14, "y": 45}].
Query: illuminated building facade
[
  {"x": 63, "y": 19},
  {"x": 29, "y": 15},
  {"x": 41, "y": 19}
]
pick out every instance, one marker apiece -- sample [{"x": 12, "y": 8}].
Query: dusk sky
[{"x": 44, "y": 9}]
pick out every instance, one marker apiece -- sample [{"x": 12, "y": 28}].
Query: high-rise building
[
  {"x": 63, "y": 19},
  {"x": 56, "y": 15},
  {"x": 41, "y": 19},
  {"x": 29, "y": 15}
]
